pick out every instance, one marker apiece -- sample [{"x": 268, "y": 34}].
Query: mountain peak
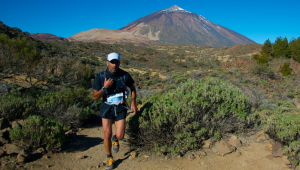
[
  {"x": 170, "y": 26},
  {"x": 175, "y": 8}
]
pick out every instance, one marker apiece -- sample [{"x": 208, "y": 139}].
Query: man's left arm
[{"x": 133, "y": 99}]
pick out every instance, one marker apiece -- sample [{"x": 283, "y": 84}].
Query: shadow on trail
[
  {"x": 119, "y": 161},
  {"x": 94, "y": 121},
  {"x": 81, "y": 143},
  {"x": 35, "y": 157}
]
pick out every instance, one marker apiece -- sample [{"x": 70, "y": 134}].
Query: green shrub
[
  {"x": 168, "y": 87},
  {"x": 262, "y": 60},
  {"x": 233, "y": 71},
  {"x": 39, "y": 132},
  {"x": 290, "y": 93},
  {"x": 255, "y": 56},
  {"x": 124, "y": 62},
  {"x": 179, "y": 80},
  {"x": 215, "y": 74},
  {"x": 285, "y": 128},
  {"x": 15, "y": 106},
  {"x": 265, "y": 83},
  {"x": 67, "y": 105},
  {"x": 141, "y": 58},
  {"x": 297, "y": 92},
  {"x": 181, "y": 119},
  {"x": 286, "y": 70},
  {"x": 66, "y": 97},
  {"x": 276, "y": 106},
  {"x": 263, "y": 71}
]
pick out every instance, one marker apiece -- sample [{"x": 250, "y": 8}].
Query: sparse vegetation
[{"x": 189, "y": 93}]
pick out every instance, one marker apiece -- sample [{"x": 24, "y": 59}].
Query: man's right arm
[{"x": 99, "y": 93}]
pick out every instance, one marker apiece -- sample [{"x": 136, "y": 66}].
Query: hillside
[{"x": 187, "y": 95}]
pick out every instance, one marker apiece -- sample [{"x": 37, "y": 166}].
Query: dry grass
[
  {"x": 152, "y": 73},
  {"x": 240, "y": 63},
  {"x": 240, "y": 50},
  {"x": 21, "y": 80}
]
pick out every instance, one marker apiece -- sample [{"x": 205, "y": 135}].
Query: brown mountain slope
[{"x": 172, "y": 26}]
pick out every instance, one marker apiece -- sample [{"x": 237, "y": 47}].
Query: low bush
[
  {"x": 181, "y": 119},
  {"x": 290, "y": 93},
  {"x": 67, "y": 105},
  {"x": 168, "y": 87},
  {"x": 141, "y": 58},
  {"x": 265, "y": 83},
  {"x": 285, "y": 128},
  {"x": 254, "y": 95},
  {"x": 262, "y": 60},
  {"x": 297, "y": 92},
  {"x": 263, "y": 71},
  {"x": 15, "y": 106},
  {"x": 277, "y": 106},
  {"x": 39, "y": 132}
]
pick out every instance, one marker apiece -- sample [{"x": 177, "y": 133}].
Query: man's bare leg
[
  {"x": 107, "y": 128},
  {"x": 120, "y": 129}
]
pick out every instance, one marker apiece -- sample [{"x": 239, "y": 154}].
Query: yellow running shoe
[
  {"x": 115, "y": 144},
  {"x": 109, "y": 163}
]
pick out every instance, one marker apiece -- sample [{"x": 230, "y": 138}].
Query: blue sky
[{"x": 258, "y": 20}]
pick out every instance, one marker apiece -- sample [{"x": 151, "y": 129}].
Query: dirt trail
[{"x": 86, "y": 151}]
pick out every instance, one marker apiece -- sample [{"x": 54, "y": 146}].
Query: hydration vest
[{"x": 122, "y": 89}]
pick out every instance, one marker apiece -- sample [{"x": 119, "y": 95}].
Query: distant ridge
[
  {"x": 47, "y": 37},
  {"x": 171, "y": 26}
]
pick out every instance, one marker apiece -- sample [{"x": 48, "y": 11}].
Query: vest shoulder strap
[
  {"x": 123, "y": 81},
  {"x": 102, "y": 77}
]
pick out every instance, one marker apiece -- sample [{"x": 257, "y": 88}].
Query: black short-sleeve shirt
[{"x": 116, "y": 78}]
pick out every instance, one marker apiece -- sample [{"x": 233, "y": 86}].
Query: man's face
[{"x": 113, "y": 65}]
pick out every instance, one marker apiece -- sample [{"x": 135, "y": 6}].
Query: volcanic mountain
[{"x": 171, "y": 26}]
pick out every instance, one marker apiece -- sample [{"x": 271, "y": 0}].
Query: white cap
[{"x": 113, "y": 56}]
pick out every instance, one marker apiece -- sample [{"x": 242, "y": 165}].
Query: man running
[{"x": 111, "y": 86}]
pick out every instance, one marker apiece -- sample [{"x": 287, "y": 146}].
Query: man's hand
[
  {"x": 133, "y": 107},
  {"x": 108, "y": 83},
  {"x": 133, "y": 99}
]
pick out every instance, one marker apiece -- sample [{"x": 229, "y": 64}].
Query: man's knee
[
  {"x": 120, "y": 136},
  {"x": 107, "y": 135}
]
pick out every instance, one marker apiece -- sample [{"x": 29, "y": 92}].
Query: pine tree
[
  {"x": 295, "y": 49},
  {"x": 277, "y": 46},
  {"x": 281, "y": 48},
  {"x": 286, "y": 48},
  {"x": 267, "y": 49}
]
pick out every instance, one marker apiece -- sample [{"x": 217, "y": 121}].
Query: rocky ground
[{"x": 85, "y": 150}]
